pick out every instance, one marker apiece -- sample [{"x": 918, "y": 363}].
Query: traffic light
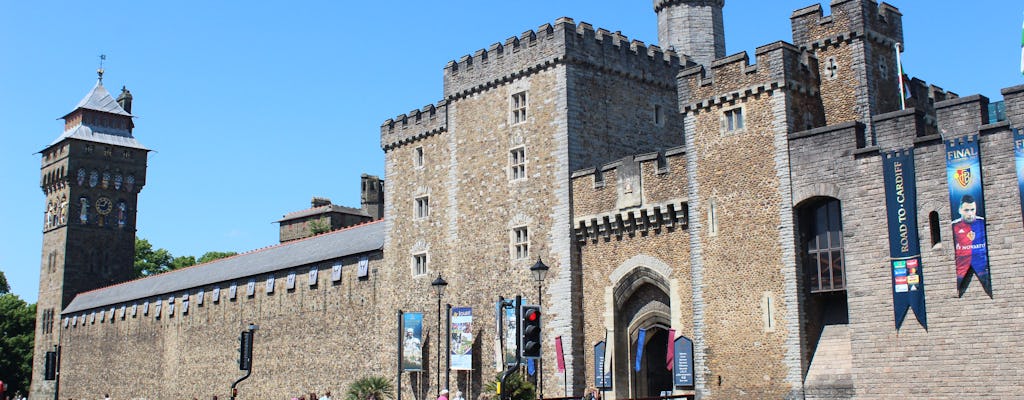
[
  {"x": 530, "y": 334},
  {"x": 245, "y": 351},
  {"x": 50, "y": 366}
]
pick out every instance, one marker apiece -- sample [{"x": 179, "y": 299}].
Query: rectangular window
[
  {"x": 518, "y": 107},
  {"x": 419, "y": 264},
  {"x": 521, "y": 243},
  {"x": 422, "y": 207},
  {"x": 734, "y": 119},
  {"x": 417, "y": 158},
  {"x": 659, "y": 115},
  {"x": 517, "y": 163}
]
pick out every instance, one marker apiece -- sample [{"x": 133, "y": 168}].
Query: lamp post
[
  {"x": 439, "y": 284},
  {"x": 540, "y": 271}
]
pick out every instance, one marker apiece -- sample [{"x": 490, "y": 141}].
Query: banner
[
  {"x": 670, "y": 351},
  {"x": 462, "y": 339},
  {"x": 560, "y": 361},
  {"x": 967, "y": 202},
  {"x": 602, "y": 378},
  {"x": 511, "y": 339},
  {"x": 904, "y": 245},
  {"x": 683, "y": 373},
  {"x": 412, "y": 342},
  {"x": 1018, "y": 153},
  {"x": 640, "y": 347}
]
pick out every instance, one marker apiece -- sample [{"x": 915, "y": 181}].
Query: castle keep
[{"x": 736, "y": 200}]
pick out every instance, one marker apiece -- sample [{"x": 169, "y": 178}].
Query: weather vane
[{"x": 100, "y": 70}]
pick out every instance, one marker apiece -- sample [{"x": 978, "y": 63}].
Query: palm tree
[
  {"x": 516, "y": 387},
  {"x": 371, "y": 388}
]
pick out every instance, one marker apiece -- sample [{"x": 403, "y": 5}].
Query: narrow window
[
  {"x": 519, "y": 107},
  {"x": 734, "y": 119},
  {"x": 517, "y": 163},
  {"x": 521, "y": 243},
  {"x": 659, "y": 116},
  {"x": 933, "y": 225},
  {"x": 419, "y": 264},
  {"x": 422, "y": 207},
  {"x": 767, "y": 303},
  {"x": 712, "y": 218},
  {"x": 417, "y": 158}
]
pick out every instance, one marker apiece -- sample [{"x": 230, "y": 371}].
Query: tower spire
[{"x": 99, "y": 71}]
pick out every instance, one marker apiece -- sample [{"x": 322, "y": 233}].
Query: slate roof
[
  {"x": 322, "y": 210},
  {"x": 359, "y": 239},
  {"x": 108, "y": 136},
  {"x": 99, "y": 99}
]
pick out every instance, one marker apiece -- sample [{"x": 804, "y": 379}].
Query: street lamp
[
  {"x": 439, "y": 284},
  {"x": 540, "y": 271}
]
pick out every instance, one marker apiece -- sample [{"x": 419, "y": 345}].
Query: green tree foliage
[
  {"x": 318, "y": 226},
  {"x": 17, "y": 329},
  {"x": 4, "y": 287},
  {"x": 149, "y": 261},
  {"x": 371, "y": 388},
  {"x": 516, "y": 384}
]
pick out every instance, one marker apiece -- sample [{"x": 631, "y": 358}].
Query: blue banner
[
  {"x": 967, "y": 201},
  {"x": 640, "y": 347},
  {"x": 602, "y": 377},
  {"x": 412, "y": 342},
  {"x": 904, "y": 245},
  {"x": 683, "y": 362}
]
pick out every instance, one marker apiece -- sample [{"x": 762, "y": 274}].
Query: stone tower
[
  {"x": 692, "y": 27},
  {"x": 91, "y": 176},
  {"x": 372, "y": 196}
]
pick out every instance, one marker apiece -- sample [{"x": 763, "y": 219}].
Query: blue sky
[{"x": 252, "y": 108}]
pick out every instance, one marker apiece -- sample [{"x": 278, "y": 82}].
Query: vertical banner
[
  {"x": 904, "y": 245},
  {"x": 462, "y": 339},
  {"x": 412, "y": 342},
  {"x": 641, "y": 337},
  {"x": 670, "y": 352},
  {"x": 1018, "y": 153},
  {"x": 683, "y": 371},
  {"x": 560, "y": 360},
  {"x": 602, "y": 378},
  {"x": 511, "y": 335},
  {"x": 967, "y": 201}
]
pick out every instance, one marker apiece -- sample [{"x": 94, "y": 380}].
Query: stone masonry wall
[
  {"x": 964, "y": 335},
  {"x": 310, "y": 338}
]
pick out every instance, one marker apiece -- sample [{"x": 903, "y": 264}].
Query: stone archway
[{"x": 640, "y": 300}]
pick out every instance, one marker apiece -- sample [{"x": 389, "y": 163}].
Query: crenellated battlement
[
  {"x": 417, "y": 124},
  {"x": 779, "y": 65},
  {"x": 553, "y": 44},
  {"x": 849, "y": 19}
]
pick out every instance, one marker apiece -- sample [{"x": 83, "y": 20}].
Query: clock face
[{"x": 104, "y": 206}]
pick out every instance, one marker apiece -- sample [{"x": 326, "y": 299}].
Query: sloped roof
[
  {"x": 359, "y": 239},
  {"x": 322, "y": 210},
  {"x": 107, "y": 136},
  {"x": 99, "y": 99}
]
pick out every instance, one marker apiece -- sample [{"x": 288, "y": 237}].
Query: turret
[{"x": 692, "y": 27}]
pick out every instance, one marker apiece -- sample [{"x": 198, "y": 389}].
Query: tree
[
  {"x": 17, "y": 329},
  {"x": 149, "y": 262},
  {"x": 516, "y": 387},
  {"x": 4, "y": 287},
  {"x": 371, "y": 388}
]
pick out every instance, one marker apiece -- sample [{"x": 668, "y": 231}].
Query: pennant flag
[
  {"x": 671, "y": 351},
  {"x": 561, "y": 356},
  {"x": 640, "y": 347},
  {"x": 901, "y": 78}
]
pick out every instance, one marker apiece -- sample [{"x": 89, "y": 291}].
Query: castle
[{"x": 673, "y": 190}]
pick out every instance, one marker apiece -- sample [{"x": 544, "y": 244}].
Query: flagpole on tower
[{"x": 899, "y": 76}]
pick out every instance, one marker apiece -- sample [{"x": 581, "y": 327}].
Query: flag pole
[{"x": 899, "y": 76}]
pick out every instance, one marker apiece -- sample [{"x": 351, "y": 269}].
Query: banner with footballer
[
  {"x": 967, "y": 201},
  {"x": 904, "y": 245}
]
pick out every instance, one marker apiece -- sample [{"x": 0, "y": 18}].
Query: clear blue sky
[{"x": 252, "y": 108}]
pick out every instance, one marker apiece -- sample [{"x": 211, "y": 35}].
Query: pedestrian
[
  {"x": 326, "y": 396},
  {"x": 443, "y": 395},
  {"x": 458, "y": 395},
  {"x": 106, "y": 396}
]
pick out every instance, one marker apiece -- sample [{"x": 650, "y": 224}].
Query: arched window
[{"x": 821, "y": 236}]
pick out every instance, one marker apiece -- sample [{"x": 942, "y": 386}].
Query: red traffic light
[{"x": 532, "y": 315}]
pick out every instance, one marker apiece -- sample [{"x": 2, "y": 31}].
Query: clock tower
[{"x": 91, "y": 176}]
